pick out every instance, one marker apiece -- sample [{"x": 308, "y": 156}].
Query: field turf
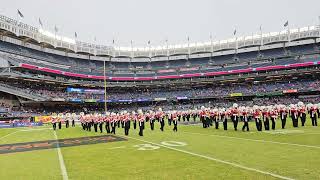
[{"x": 190, "y": 153}]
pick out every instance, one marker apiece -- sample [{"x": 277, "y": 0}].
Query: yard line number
[{"x": 150, "y": 147}]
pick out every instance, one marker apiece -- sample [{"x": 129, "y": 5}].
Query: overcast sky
[{"x": 156, "y": 20}]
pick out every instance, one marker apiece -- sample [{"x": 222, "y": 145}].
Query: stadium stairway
[{"x": 15, "y": 91}]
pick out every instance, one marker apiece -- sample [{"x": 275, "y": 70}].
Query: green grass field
[{"x": 197, "y": 154}]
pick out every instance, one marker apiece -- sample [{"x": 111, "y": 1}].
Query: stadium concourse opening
[{"x": 243, "y": 108}]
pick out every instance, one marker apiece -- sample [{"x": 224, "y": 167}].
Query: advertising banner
[
  {"x": 6, "y": 125},
  {"x": 290, "y": 91},
  {"x": 43, "y": 119},
  {"x": 160, "y": 99},
  {"x": 90, "y": 100},
  {"x": 235, "y": 94},
  {"x": 27, "y": 124},
  {"x": 75, "y": 100}
]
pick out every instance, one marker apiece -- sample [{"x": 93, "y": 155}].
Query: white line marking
[
  {"x": 8, "y": 135},
  {"x": 256, "y": 140},
  {"x": 120, "y": 147},
  {"x": 21, "y": 131},
  {"x": 214, "y": 159},
  {"x": 61, "y": 161},
  {"x": 35, "y": 129}
]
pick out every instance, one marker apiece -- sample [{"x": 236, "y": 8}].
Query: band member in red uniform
[
  {"x": 175, "y": 121},
  {"x": 226, "y": 115},
  {"x": 54, "y": 120},
  {"x": 151, "y": 117},
  {"x": 318, "y": 109},
  {"x": 160, "y": 117},
  {"x": 82, "y": 120},
  {"x": 74, "y": 118},
  {"x": 67, "y": 119},
  {"x": 265, "y": 117},
  {"x": 60, "y": 119},
  {"x": 294, "y": 115},
  {"x": 113, "y": 120},
  {"x": 141, "y": 122},
  {"x": 134, "y": 119},
  {"x": 107, "y": 119},
  {"x": 100, "y": 122},
  {"x": 283, "y": 111},
  {"x": 313, "y": 114},
  {"x": 235, "y": 116},
  {"x": 245, "y": 116},
  {"x": 95, "y": 122},
  {"x": 203, "y": 117},
  {"x": 302, "y": 113},
  {"x": 257, "y": 117},
  {"x": 169, "y": 115},
  {"x": 273, "y": 117}
]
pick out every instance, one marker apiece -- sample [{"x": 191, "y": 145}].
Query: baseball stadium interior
[
  {"x": 37, "y": 76},
  {"x": 269, "y": 83}
]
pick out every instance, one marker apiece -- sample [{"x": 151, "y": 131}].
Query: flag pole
[
  {"x": 319, "y": 24},
  {"x": 105, "y": 85},
  {"x": 261, "y": 41}
]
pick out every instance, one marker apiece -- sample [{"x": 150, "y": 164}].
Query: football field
[{"x": 190, "y": 153}]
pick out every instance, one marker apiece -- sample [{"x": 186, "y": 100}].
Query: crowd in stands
[
  {"x": 132, "y": 94},
  {"x": 27, "y": 111}
]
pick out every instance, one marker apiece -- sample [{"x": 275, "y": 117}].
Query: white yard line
[
  {"x": 8, "y": 135},
  {"x": 215, "y": 159},
  {"x": 22, "y": 131},
  {"x": 61, "y": 161},
  {"x": 40, "y": 129},
  {"x": 255, "y": 140},
  {"x": 119, "y": 147}
]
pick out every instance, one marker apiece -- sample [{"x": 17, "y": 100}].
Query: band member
[
  {"x": 318, "y": 109},
  {"x": 235, "y": 116},
  {"x": 134, "y": 119},
  {"x": 203, "y": 117},
  {"x": 107, "y": 121},
  {"x": 100, "y": 122},
  {"x": 175, "y": 121},
  {"x": 302, "y": 113},
  {"x": 127, "y": 123},
  {"x": 54, "y": 118},
  {"x": 257, "y": 117},
  {"x": 67, "y": 119},
  {"x": 313, "y": 114},
  {"x": 151, "y": 117},
  {"x": 226, "y": 114},
  {"x": 160, "y": 116},
  {"x": 188, "y": 115},
  {"x": 294, "y": 115},
  {"x": 95, "y": 122},
  {"x": 141, "y": 122},
  {"x": 245, "y": 119},
  {"x": 273, "y": 117},
  {"x": 82, "y": 120},
  {"x": 194, "y": 114},
  {"x": 265, "y": 117},
  {"x": 169, "y": 116},
  {"x": 113, "y": 122},
  {"x": 60, "y": 119},
  {"x": 74, "y": 118},
  {"x": 216, "y": 117},
  {"x": 283, "y": 115},
  {"x": 88, "y": 121}
]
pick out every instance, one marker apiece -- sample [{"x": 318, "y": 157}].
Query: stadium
[{"x": 184, "y": 104}]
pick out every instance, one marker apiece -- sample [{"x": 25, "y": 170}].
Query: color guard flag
[{"x": 20, "y": 14}]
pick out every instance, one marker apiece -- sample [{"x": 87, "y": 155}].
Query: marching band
[{"x": 266, "y": 116}]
